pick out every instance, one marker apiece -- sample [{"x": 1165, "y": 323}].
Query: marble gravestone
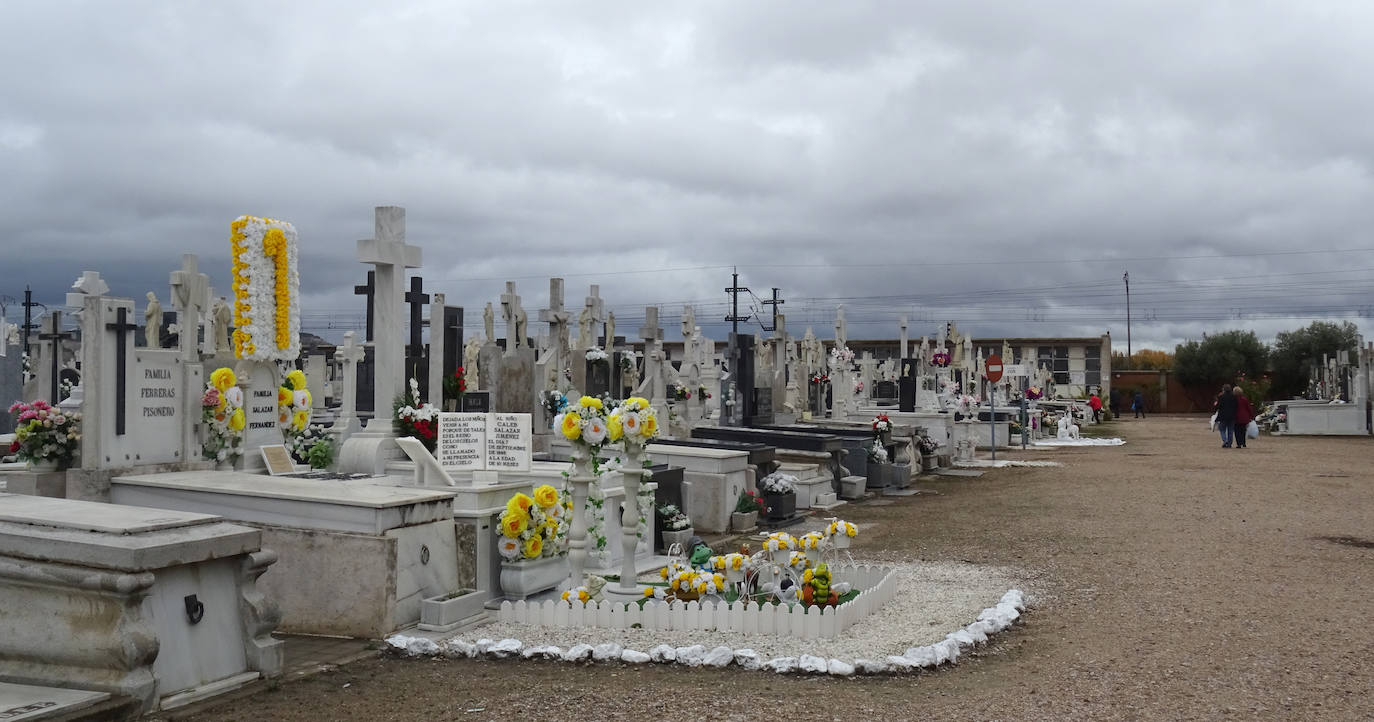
[
  {"x": 161, "y": 606},
  {"x": 11, "y": 382},
  {"x": 512, "y": 381}
]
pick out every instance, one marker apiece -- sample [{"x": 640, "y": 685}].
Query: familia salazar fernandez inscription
[{"x": 262, "y": 409}]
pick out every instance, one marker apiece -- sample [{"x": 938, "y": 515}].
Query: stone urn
[
  {"x": 522, "y": 578},
  {"x": 929, "y": 462},
  {"x": 43, "y": 466},
  {"x": 743, "y": 520},
  {"x": 682, "y": 536},
  {"x": 780, "y": 506}
]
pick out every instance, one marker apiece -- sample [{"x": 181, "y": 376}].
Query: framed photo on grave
[{"x": 278, "y": 460}]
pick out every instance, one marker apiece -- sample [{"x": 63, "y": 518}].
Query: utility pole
[
  {"x": 29, "y": 325},
  {"x": 734, "y": 290},
  {"x": 1127, "y": 278},
  {"x": 775, "y": 302},
  {"x": 730, "y": 412}
]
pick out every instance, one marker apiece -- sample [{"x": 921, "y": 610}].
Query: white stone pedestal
[
  {"x": 158, "y": 605},
  {"x": 356, "y": 560}
]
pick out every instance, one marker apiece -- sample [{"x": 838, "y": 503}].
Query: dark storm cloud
[{"x": 996, "y": 164}]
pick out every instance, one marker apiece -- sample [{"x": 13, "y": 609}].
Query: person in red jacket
[
  {"x": 1244, "y": 414},
  {"x": 1095, "y": 403}
]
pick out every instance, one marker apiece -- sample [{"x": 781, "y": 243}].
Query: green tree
[
  {"x": 1296, "y": 351},
  {"x": 1220, "y": 359},
  {"x": 1146, "y": 359}
]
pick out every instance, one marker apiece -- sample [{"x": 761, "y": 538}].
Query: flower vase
[
  {"x": 682, "y": 537},
  {"x": 632, "y": 473},
  {"x": 734, "y": 576},
  {"x": 841, "y": 540},
  {"x": 781, "y": 506},
  {"x": 42, "y": 466},
  {"x": 530, "y": 576},
  {"x": 581, "y": 479},
  {"x": 813, "y": 555},
  {"x": 743, "y": 520}
]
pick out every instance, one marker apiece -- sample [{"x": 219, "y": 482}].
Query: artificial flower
[
  {"x": 223, "y": 378},
  {"x": 296, "y": 379},
  {"x": 572, "y": 425},
  {"x": 513, "y": 525},
  {"x": 546, "y": 496},
  {"x": 237, "y": 420},
  {"x": 614, "y": 429},
  {"x": 519, "y": 503},
  {"x": 534, "y": 546},
  {"x": 509, "y": 548},
  {"x": 590, "y": 402},
  {"x": 595, "y": 431}
]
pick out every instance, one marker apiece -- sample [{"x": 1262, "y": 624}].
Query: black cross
[
  {"x": 370, "y": 290},
  {"x": 57, "y": 337},
  {"x": 121, "y": 327},
  {"x": 417, "y": 298}
]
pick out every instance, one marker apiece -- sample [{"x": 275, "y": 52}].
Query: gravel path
[{"x": 1170, "y": 579}]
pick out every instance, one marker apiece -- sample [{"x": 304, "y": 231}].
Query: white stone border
[
  {"x": 990, "y": 621},
  {"x": 877, "y": 586}
]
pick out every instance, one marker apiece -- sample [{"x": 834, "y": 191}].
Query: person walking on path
[
  {"x": 1095, "y": 403},
  {"x": 1115, "y": 400},
  {"x": 1244, "y": 414},
  {"x": 1226, "y": 415},
  {"x": 1138, "y": 404}
]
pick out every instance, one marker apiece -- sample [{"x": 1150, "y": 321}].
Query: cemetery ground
[{"x": 1167, "y": 579}]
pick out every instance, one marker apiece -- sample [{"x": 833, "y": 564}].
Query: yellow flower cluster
[
  {"x": 229, "y": 414},
  {"x": 274, "y": 246},
  {"x": 580, "y": 594},
  {"x": 840, "y": 526},
  {"x": 239, "y": 243},
  {"x": 729, "y": 562},
  {"x": 530, "y": 523},
  {"x": 293, "y": 402}
]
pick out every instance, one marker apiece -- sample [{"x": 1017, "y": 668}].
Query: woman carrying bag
[
  {"x": 1245, "y": 415},
  {"x": 1226, "y": 415}
]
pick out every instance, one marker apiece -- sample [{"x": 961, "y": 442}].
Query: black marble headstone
[
  {"x": 906, "y": 387},
  {"x": 884, "y": 390},
  {"x": 367, "y": 381},
  {"x": 453, "y": 339},
  {"x": 477, "y": 402},
  {"x": 598, "y": 377},
  {"x": 763, "y": 406},
  {"x": 744, "y": 377}
]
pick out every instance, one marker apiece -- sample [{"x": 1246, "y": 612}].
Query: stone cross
[
  {"x": 417, "y": 298},
  {"x": 390, "y": 255},
  {"x": 438, "y": 356},
  {"x": 841, "y": 328},
  {"x": 121, "y": 328},
  {"x": 868, "y": 373},
  {"x": 901, "y": 324},
  {"x": 348, "y": 355},
  {"x": 557, "y": 317},
  {"x": 511, "y": 310},
  {"x": 189, "y": 286},
  {"x": 597, "y": 308},
  {"x": 370, "y": 290},
  {"x": 653, "y": 355},
  {"x": 53, "y": 333},
  {"x": 780, "y": 370},
  {"x": 89, "y": 284}
]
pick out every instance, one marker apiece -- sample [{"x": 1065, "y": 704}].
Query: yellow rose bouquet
[
  {"x": 222, "y": 413},
  {"x": 533, "y": 527}
]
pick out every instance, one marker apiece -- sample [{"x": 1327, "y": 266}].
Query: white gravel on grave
[
  {"x": 1114, "y": 441},
  {"x": 1002, "y": 463},
  {"x": 933, "y": 600}
]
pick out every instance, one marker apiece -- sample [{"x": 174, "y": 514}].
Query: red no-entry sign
[{"x": 994, "y": 368}]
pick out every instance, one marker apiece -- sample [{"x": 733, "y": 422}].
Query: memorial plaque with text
[
  {"x": 477, "y": 402},
  {"x": 508, "y": 442},
  {"x": 462, "y": 441},
  {"x": 155, "y": 407}
]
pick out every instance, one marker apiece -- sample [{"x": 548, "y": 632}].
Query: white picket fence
[{"x": 877, "y": 584}]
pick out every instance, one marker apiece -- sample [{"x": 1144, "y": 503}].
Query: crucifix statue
[
  {"x": 122, "y": 328},
  {"x": 189, "y": 288},
  {"x": 511, "y": 311},
  {"x": 54, "y": 334}
]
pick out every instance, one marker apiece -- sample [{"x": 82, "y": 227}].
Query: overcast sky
[{"x": 999, "y": 164}]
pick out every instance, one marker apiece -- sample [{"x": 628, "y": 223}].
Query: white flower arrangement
[
  {"x": 596, "y": 354},
  {"x": 733, "y": 562},
  {"x": 778, "y": 483},
  {"x": 779, "y": 541},
  {"x": 840, "y": 527},
  {"x": 842, "y": 355},
  {"x": 673, "y": 518},
  {"x": 266, "y": 284},
  {"x": 811, "y": 540}
]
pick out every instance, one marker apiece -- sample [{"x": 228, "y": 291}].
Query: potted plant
[
  {"x": 414, "y": 418},
  {"x": 676, "y": 527},
  {"x": 746, "y": 514},
  {"x": 44, "y": 436},
  {"x": 449, "y": 611},
  {"x": 927, "y": 447},
  {"x": 533, "y": 542},
  {"x": 455, "y": 387},
  {"x": 841, "y": 533},
  {"x": 876, "y": 471},
  {"x": 779, "y": 493}
]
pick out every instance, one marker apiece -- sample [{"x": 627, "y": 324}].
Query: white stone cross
[
  {"x": 188, "y": 295},
  {"x": 89, "y": 284},
  {"x": 841, "y": 328},
  {"x": 650, "y": 331},
  {"x": 597, "y": 308},
  {"x": 901, "y": 324},
  {"x": 388, "y": 252},
  {"x": 511, "y": 311},
  {"x": 557, "y": 317},
  {"x": 348, "y": 355}
]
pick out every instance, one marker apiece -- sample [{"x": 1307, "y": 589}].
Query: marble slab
[
  {"x": 287, "y": 502},
  {"x": 31, "y": 702}
]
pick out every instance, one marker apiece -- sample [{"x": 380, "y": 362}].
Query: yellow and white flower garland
[{"x": 266, "y": 289}]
